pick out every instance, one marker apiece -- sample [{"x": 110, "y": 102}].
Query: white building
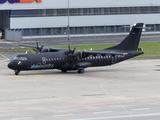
[{"x": 50, "y": 17}]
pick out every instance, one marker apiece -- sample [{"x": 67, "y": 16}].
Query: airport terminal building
[{"x": 46, "y": 18}]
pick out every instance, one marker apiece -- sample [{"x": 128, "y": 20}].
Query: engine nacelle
[
  {"x": 77, "y": 55},
  {"x": 45, "y": 50}
]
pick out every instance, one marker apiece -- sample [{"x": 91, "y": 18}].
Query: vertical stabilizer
[{"x": 132, "y": 40}]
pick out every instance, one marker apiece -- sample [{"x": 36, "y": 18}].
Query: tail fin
[{"x": 132, "y": 40}]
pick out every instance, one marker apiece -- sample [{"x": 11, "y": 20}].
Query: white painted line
[
  {"x": 118, "y": 117},
  {"x": 102, "y": 112},
  {"x": 4, "y": 57},
  {"x": 25, "y": 118},
  {"x": 8, "y": 115},
  {"x": 141, "y": 109},
  {"x": 2, "y": 61},
  {"x": 63, "y": 115},
  {"x": 68, "y": 110}
]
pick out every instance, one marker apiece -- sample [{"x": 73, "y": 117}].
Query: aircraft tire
[
  {"x": 81, "y": 70},
  {"x": 17, "y": 72}
]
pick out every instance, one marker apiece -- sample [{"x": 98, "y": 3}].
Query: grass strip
[{"x": 151, "y": 49}]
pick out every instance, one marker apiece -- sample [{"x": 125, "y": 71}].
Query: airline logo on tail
[{"x": 20, "y": 1}]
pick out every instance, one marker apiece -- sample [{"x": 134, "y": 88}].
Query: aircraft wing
[
  {"x": 103, "y": 53},
  {"x": 26, "y": 45},
  {"x": 43, "y": 49}
]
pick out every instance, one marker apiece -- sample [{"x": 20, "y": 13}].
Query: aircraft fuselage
[{"x": 52, "y": 60}]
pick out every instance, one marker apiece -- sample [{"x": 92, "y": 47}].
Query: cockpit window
[{"x": 20, "y": 58}]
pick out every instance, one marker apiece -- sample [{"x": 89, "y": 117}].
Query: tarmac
[
  {"x": 3, "y": 58},
  {"x": 127, "y": 90}
]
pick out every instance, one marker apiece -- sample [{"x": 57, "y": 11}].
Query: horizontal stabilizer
[{"x": 139, "y": 27}]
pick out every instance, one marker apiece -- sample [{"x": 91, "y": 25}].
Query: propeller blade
[
  {"x": 69, "y": 47},
  {"x": 73, "y": 50},
  {"x": 40, "y": 49}
]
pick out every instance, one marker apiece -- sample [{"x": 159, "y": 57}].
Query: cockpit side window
[{"x": 21, "y": 58}]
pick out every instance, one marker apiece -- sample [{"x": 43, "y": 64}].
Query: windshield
[{"x": 20, "y": 58}]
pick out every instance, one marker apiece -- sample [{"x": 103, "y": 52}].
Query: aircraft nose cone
[{"x": 11, "y": 65}]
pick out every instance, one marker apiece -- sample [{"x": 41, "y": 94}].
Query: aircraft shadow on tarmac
[{"x": 52, "y": 72}]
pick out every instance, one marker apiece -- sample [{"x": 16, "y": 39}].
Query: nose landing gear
[{"x": 16, "y": 72}]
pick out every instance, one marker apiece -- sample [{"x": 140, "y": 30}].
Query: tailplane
[{"x": 132, "y": 40}]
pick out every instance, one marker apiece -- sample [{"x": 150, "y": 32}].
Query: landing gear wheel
[
  {"x": 17, "y": 72},
  {"x": 64, "y": 71},
  {"x": 80, "y": 70}
]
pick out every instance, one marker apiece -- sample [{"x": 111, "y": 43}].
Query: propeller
[
  {"x": 73, "y": 54},
  {"x": 39, "y": 48},
  {"x": 36, "y": 47}
]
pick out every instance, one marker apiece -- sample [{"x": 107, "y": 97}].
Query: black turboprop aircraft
[{"x": 67, "y": 59}]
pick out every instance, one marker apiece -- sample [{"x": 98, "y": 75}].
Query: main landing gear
[
  {"x": 64, "y": 71},
  {"x": 16, "y": 72},
  {"x": 80, "y": 70}
]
